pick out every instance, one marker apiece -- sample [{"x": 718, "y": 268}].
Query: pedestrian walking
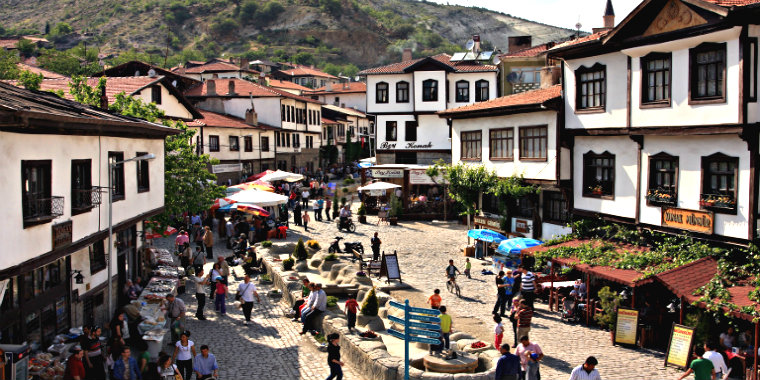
[
  {"x": 351, "y": 308},
  {"x": 184, "y": 351},
  {"x": 305, "y": 197},
  {"x": 208, "y": 242},
  {"x": 435, "y": 299},
  {"x": 315, "y": 208},
  {"x": 716, "y": 358},
  {"x": 375, "y": 243},
  {"x": 199, "y": 260},
  {"x": 467, "y": 268},
  {"x": 586, "y": 371},
  {"x": 501, "y": 295},
  {"x": 224, "y": 269},
  {"x": 498, "y": 331},
  {"x": 205, "y": 364},
  {"x": 94, "y": 369},
  {"x": 215, "y": 272},
  {"x": 167, "y": 370},
  {"x": 447, "y": 326},
  {"x": 197, "y": 235},
  {"x": 305, "y": 220},
  {"x": 702, "y": 368},
  {"x": 328, "y": 208},
  {"x": 509, "y": 290},
  {"x": 530, "y": 355},
  {"x": 508, "y": 365},
  {"x": 321, "y": 206},
  {"x": 333, "y": 357},
  {"x": 528, "y": 285},
  {"x": 245, "y": 293},
  {"x": 513, "y": 318},
  {"x": 74, "y": 367},
  {"x": 297, "y": 214},
  {"x": 175, "y": 312},
  {"x": 220, "y": 297},
  {"x": 200, "y": 282},
  {"x": 524, "y": 317}
]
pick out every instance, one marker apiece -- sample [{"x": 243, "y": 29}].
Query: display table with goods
[{"x": 167, "y": 278}]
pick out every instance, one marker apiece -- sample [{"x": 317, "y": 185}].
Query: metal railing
[
  {"x": 82, "y": 199},
  {"x": 42, "y": 208}
]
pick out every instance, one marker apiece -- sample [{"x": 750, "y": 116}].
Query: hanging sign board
[
  {"x": 690, "y": 220},
  {"x": 679, "y": 346},
  {"x": 226, "y": 168},
  {"x": 387, "y": 173},
  {"x": 420, "y": 177},
  {"x": 62, "y": 234},
  {"x": 488, "y": 223},
  {"x": 377, "y": 193},
  {"x": 390, "y": 267},
  {"x": 626, "y": 326}
]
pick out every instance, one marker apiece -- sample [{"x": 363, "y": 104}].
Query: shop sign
[
  {"x": 490, "y": 223},
  {"x": 679, "y": 346},
  {"x": 420, "y": 177},
  {"x": 387, "y": 173},
  {"x": 691, "y": 220},
  {"x": 626, "y": 326},
  {"x": 62, "y": 234},
  {"x": 522, "y": 226},
  {"x": 409, "y": 145},
  {"x": 226, "y": 168},
  {"x": 377, "y": 193}
]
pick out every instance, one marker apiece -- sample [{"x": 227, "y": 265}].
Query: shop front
[{"x": 422, "y": 197}]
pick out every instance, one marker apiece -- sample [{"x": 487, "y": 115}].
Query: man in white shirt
[
  {"x": 200, "y": 286},
  {"x": 586, "y": 371},
  {"x": 716, "y": 358},
  {"x": 316, "y": 306},
  {"x": 305, "y": 197},
  {"x": 246, "y": 291}
]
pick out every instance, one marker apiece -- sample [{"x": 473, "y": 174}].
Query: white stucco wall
[
  {"x": 614, "y": 115},
  {"x": 690, "y": 177},
  {"x": 353, "y": 100},
  {"x": 551, "y": 231},
  {"x": 267, "y": 108},
  {"x": 625, "y": 151},
  {"x": 27, "y": 243},
  {"x": 224, "y": 134},
  {"x": 422, "y": 106},
  {"x": 391, "y": 106},
  {"x": 453, "y": 78},
  {"x": 529, "y": 169},
  {"x": 169, "y": 103}
]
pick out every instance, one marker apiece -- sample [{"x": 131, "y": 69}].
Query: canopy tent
[
  {"x": 486, "y": 235},
  {"x": 367, "y": 162},
  {"x": 253, "y": 185},
  {"x": 378, "y": 186},
  {"x": 252, "y": 209},
  {"x": 280, "y": 175},
  {"x": 259, "y": 198},
  {"x": 221, "y": 202},
  {"x": 259, "y": 175},
  {"x": 516, "y": 245}
]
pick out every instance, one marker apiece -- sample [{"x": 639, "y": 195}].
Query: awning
[
  {"x": 280, "y": 175},
  {"x": 259, "y": 198},
  {"x": 380, "y": 185},
  {"x": 684, "y": 280}
]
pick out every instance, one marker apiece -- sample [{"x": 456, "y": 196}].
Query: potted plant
[
  {"x": 362, "y": 212},
  {"x": 608, "y": 302},
  {"x": 335, "y": 206},
  {"x": 395, "y": 210},
  {"x": 300, "y": 251},
  {"x": 596, "y": 190}
]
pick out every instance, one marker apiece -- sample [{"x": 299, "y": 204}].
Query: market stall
[{"x": 508, "y": 252}]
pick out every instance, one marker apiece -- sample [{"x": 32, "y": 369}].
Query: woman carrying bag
[{"x": 167, "y": 370}]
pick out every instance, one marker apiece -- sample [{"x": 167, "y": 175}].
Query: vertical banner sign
[
  {"x": 626, "y": 326},
  {"x": 679, "y": 346},
  {"x": 427, "y": 330}
]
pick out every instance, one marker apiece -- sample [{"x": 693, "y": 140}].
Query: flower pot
[
  {"x": 362, "y": 218},
  {"x": 393, "y": 221},
  {"x": 597, "y": 192}
]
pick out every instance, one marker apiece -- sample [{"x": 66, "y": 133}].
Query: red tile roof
[
  {"x": 243, "y": 88},
  {"x": 582, "y": 40},
  {"x": 215, "y": 67},
  {"x": 338, "y": 88},
  {"x": 731, "y": 3},
  {"x": 46, "y": 74},
  {"x": 287, "y": 84},
  {"x": 293, "y": 96},
  {"x": 684, "y": 280},
  {"x": 301, "y": 71},
  {"x": 401, "y": 67},
  {"x": 114, "y": 85},
  {"x": 534, "y": 51},
  {"x": 536, "y": 97},
  {"x": 213, "y": 119},
  {"x": 328, "y": 121}
]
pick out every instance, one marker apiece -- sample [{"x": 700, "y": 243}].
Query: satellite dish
[
  {"x": 496, "y": 60},
  {"x": 151, "y": 73},
  {"x": 578, "y": 26},
  {"x": 469, "y": 45},
  {"x": 513, "y": 77}
]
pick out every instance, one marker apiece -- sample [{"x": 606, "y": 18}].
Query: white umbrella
[
  {"x": 258, "y": 198},
  {"x": 379, "y": 186},
  {"x": 280, "y": 175}
]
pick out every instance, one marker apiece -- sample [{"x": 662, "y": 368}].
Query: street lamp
[{"x": 111, "y": 166}]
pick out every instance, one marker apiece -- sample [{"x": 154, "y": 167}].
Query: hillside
[{"x": 362, "y": 32}]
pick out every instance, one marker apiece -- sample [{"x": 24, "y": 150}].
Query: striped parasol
[
  {"x": 252, "y": 209},
  {"x": 222, "y": 202}
]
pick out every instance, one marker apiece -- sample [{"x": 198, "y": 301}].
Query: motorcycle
[
  {"x": 348, "y": 246},
  {"x": 346, "y": 224}
]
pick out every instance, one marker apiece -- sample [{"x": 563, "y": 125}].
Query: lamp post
[{"x": 111, "y": 166}]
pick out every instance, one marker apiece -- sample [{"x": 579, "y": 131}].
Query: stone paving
[{"x": 269, "y": 348}]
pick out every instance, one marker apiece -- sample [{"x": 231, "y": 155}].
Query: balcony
[
  {"x": 41, "y": 210},
  {"x": 83, "y": 200},
  {"x": 719, "y": 203}
]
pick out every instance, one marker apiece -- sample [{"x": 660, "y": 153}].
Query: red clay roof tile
[
  {"x": 400, "y": 67},
  {"x": 213, "y": 119},
  {"x": 339, "y": 88},
  {"x": 539, "y": 96}
]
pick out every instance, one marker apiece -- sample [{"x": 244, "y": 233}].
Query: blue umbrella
[
  {"x": 486, "y": 235},
  {"x": 515, "y": 245}
]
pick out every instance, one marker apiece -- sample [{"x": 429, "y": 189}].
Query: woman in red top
[
  {"x": 74, "y": 366},
  {"x": 220, "y": 299}
]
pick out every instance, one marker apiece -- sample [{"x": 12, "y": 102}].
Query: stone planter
[
  {"x": 362, "y": 219},
  {"x": 393, "y": 221}
]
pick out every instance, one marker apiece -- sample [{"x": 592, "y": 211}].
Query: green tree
[
  {"x": 223, "y": 27},
  {"x": 26, "y": 47},
  {"x": 304, "y": 58},
  {"x": 370, "y": 306},
  {"x": 30, "y": 80},
  {"x": 269, "y": 12},
  {"x": 248, "y": 11},
  {"x": 8, "y": 65},
  {"x": 300, "y": 251},
  {"x": 61, "y": 29}
]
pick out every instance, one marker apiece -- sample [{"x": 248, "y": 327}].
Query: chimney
[
  {"x": 251, "y": 118},
  {"x": 476, "y": 39},
  {"x": 210, "y": 87},
  {"x": 518, "y": 43},
  {"x": 231, "y": 87},
  {"x": 550, "y": 76},
  {"x": 103, "y": 99},
  {"x": 609, "y": 16},
  {"x": 407, "y": 54}
]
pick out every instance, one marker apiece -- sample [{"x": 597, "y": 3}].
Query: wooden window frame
[
  {"x": 234, "y": 143},
  {"x": 464, "y": 96},
  {"x": 155, "y": 94},
  {"x": 479, "y": 88},
  {"x": 264, "y": 143},
  {"x": 118, "y": 171},
  {"x": 752, "y": 46},
  {"x": 388, "y": 129},
  {"x": 212, "y": 147},
  {"x": 652, "y": 201},
  {"x": 97, "y": 253},
  {"x": 385, "y": 96},
  {"x": 464, "y": 141},
  {"x": 548, "y": 217},
  {"x": 401, "y": 91},
  {"x": 248, "y": 143},
  {"x": 492, "y": 140},
  {"x": 523, "y": 140},
  {"x": 579, "y": 88},
  {"x": 142, "y": 173},
  {"x": 83, "y": 190},
  {"x": 41, "y": 218},
  {"x": 430, "y": 90},
  {"x": 661, "y": 103},
  {"x": 706, "y": 160},
  {"x": 586, "y": 190},
  {"x": 693, "y": 73}
]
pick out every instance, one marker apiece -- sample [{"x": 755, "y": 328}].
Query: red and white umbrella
[
  {"x": 222, "y": 202},
  {"x": 252, "y": 209}
]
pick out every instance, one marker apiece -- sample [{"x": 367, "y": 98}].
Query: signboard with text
[
  {"x": 690, "y": 220},
  {"x": 427, "y": 331},
  {"x": 390, "y": 267},
  {"x": 679, "y": 346},
  {"x": 387, "y": 173},
  {"x": 226, "y": 168},
  {"x": 62, "y": 234},
  {"x": 626, "y": 326},
  {"x": 488, "y": 223},
  {"x": 420, "y": 177}
]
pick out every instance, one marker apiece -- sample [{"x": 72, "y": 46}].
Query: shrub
[
  {"x": 370, "y": 305},
  {"x": 265, "y": 278},
  {"x": 288, "y": 263},
  {"x": 609, "y": 301},
  {"x": 313, "y": 244},
  {"x": 343, "y": 201},
  {"x": 362, "y": 210},
  {"x": 331, "y": 257},
  {"x": 345, "y": 190},
  {"x": 266, "y": 243},
  {"x": 348, "y": 181},
  {"x": 300, "y": 251},
  {"x": 332, "y": 301},
  {"x": 336, "y": 206}
]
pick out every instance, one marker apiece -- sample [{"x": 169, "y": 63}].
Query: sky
[{"x": 564, "y": 13}]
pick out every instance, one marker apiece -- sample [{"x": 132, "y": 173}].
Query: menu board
[
  {"x": 390, "y": 267},
  {"x": 679, "y": 346},
  {"x": 626, "y": 326}
]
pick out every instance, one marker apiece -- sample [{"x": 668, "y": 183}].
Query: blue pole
[{"x": 406, "y": 339}]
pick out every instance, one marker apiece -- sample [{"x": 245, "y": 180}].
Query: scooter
[
  {"x": 348, "y": 246},
  {"x": 346, "y": 224}
]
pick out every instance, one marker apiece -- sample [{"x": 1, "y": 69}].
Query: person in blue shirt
[
  {"x": 126, "y": 367},
  {"x": 205, "y": 364},
  {"x": 508, "y": 366}
]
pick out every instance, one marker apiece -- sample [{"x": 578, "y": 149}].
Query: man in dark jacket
[{"x": 508, "y": 366}]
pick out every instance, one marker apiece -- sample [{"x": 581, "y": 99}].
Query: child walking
[
  {"x": 498, "y": 331},
  {"x": 305, "y": 220},
  {"x": 351, "y": 308},
  {"x": 435, "y": 299},
  {"x": 220, "y": 299},
  {"x": 333, "y": 357},
  {"x": 467, "y": 267}
]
